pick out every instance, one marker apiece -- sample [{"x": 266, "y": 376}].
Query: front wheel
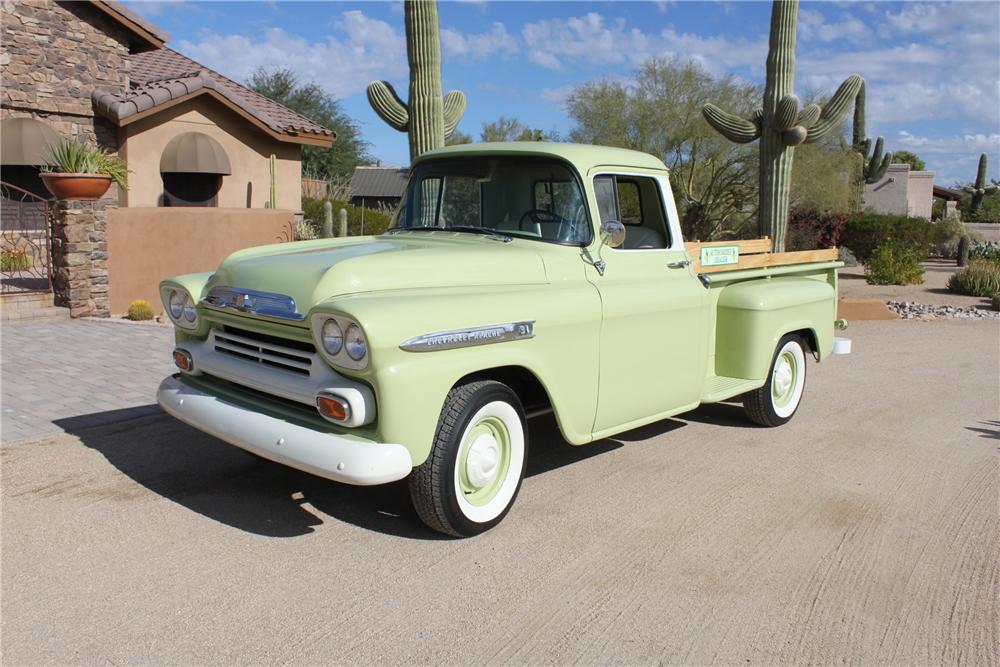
[
  {"x": 775, "y": 403},
  {"x": 473, "y": 473}
]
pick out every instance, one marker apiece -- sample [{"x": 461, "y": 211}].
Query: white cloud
[
  {"x": 479, "y": 46},
  {"x": 343, "y": 64},
  {"x": 592, "y": 39},
  {"x": 954, "y": 159},
  {"x": 813, "y": 25}
]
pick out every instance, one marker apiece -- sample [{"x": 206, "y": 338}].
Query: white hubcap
[
  {"x": 783, "y": 378},
  {"x": 481, "y": 464}
]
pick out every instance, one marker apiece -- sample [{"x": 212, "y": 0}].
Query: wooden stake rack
[{"x": 755, "y": 253}]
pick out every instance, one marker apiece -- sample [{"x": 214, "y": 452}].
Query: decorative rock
[{"x": 910, "y": 310}]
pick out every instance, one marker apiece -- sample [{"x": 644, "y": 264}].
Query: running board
[{"x": 720, "y": 387}]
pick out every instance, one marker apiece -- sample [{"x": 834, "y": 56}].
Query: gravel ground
[{"x": 865, "y": 531}]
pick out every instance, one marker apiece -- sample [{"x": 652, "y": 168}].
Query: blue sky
[{"x": 933, "y": 69}]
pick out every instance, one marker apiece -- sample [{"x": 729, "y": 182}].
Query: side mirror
[{"x": 612, "y": 233}]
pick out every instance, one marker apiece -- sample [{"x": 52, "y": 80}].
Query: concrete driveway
[{"x": 865, "y": 531}]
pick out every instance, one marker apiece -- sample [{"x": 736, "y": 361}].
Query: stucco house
[
  {"x": 902, "y": 192},
  {"x": 93, "y": 70},
  {"x": 190, "y": 136}
]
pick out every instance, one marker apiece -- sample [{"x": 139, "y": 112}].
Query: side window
[
  {"x": 636, "y": 202},
  {"x": 607, "y": 202},
  {"x": 629, "y": 203}
]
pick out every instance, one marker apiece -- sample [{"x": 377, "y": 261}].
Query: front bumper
[{"x": 343, "y": 459}]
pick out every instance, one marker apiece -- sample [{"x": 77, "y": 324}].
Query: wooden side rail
[{"x": 754, "y": 253}]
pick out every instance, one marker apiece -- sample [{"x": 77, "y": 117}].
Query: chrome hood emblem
[{"x": 266, "y": 304}]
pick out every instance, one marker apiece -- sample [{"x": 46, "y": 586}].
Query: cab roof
[{"x": 583, "y": 156}]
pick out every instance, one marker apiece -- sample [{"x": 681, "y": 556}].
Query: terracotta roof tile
[{"x": 163, "y": 75}]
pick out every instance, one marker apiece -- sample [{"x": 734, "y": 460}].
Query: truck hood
[{"x": 313, "y": 271}]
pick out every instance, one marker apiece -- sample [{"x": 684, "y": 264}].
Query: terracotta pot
[{"x": 87, "y": 187}]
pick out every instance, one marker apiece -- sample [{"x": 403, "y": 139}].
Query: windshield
[{"x": 511, "y": 196}]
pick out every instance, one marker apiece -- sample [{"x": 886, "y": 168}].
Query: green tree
[
  {"x": 906, "y": 157},
  {"x": 308, "y": 99},
  {"x": 458, "y": 137},
  {"x": 714, "y": 180},
  {"x": 512, "y": 129}
]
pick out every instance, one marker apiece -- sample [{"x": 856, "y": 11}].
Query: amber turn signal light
[
  {"x": 333, "y": 408},
  {"x": 183, "y": 360}
]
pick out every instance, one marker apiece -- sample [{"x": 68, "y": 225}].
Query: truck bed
[{"x": 749, "y": 254}]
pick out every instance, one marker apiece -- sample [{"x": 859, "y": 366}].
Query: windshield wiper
[{"x": 486, "y": 231}]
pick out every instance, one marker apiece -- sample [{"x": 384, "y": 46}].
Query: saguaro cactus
[
  {"x": 273, "y": 201},
  {"x": 429, "y": 118},
  {"x": 327, "y": 219},
  {"x": 342, "y": 218},
  {"x": 871, "y": 168},
  {"x": 981, "y": 188},
  {"x": 780, "y": 124}
]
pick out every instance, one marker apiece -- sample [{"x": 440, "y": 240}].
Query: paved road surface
[{"x": 865, "y": 531}]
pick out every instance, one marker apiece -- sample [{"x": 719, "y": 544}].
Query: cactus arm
[
  {"x": 387, "y": 104},
  {"x": 878, "y": 164},
  {"x": 786, "y": 113},
  {"x": 990, "y": 189},
  {"x": 980, "y": 189},
  {"x": 810, "y": 114},
  {"x": 454, "y": 107},
  {"x": 735, "y": 128},
  {"x": 858, "y": 124},
  {"x": 835, "y": 109}
]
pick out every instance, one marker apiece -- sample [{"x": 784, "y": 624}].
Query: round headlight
[
  {"x": 176, "y": 304},
  {"x": 332, "y": 338},
  {"x": 354, "y": 341},
  {"x": 190, "y": 313}
]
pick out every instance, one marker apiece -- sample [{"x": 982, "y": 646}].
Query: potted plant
[{"x": 76, "y": 170}]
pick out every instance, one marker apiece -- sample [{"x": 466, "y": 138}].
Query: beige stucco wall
[
  {"x": 147, "y": 245},
  {"x": 249, "y": 150},
  {"x": 902, "y": 192}
]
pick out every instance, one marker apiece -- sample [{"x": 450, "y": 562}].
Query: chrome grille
[{"x": 289, "y": 355}]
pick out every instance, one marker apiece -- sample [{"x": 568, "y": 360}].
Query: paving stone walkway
[{"x": 63, "y": 375}]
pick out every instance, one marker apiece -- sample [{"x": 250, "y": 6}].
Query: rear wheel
[
  {"x": 473, "y": 474},
  {"x": 776, "y": 402}
]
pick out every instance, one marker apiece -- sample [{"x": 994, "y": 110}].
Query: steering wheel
[{"x": 541, "y": 216}]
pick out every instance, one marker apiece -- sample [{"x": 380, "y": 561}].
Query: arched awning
[
  {"x": 194, "y": 152},
  {"x": 26, "y": 141}
]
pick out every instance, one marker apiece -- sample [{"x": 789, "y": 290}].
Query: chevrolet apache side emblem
[{"x": 448, "y": 340}]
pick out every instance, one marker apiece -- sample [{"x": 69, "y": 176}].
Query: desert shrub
[
  {"x": 894, "y": 263},
  {"x": 980, "y": 278},
  {"x": 866, "y": 231},
  {"x": 140, "y": 310},
  {"x": 985, "y": 250},
  {"x": 810, "y": 228},
  {"x": 375, "y": 222},
  {"x": 305, "y": 230},
  {"x": 13, "y": 260},
  {"x": 995, "y": 302},
  {"x": 947, "y": 232}
]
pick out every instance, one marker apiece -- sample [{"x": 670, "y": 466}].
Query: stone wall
[
  {"x": 80, "y": 257},
  {"x": 53, "y": 55}
]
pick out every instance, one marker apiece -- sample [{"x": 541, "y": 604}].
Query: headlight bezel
[
  {"x": 341, "y": 359},
  {"x": 188, "y": 307}
]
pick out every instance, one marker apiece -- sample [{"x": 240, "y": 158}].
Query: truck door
[{"x": 653, "y": 335}]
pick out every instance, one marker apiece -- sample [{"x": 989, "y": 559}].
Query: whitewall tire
[
  {"x": 776, "y": 402},
  {"x": 473, "y": 474}
]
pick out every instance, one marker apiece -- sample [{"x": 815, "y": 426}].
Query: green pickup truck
[{"x": 517, "y": 279}]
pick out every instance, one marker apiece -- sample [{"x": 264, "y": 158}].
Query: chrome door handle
[{"x": 679, "y": 264}]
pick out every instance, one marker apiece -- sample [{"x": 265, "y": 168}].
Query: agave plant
[{"x": 78, "y": 157}]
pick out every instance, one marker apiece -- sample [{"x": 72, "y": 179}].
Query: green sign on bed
[{"x": 720, "y": 255}]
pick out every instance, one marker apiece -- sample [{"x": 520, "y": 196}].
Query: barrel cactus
[
  {"x": 429, "y": 118},
  {"x": 780, "y": 123},
  {"x": 981, "y": 188},
  {"x": 963, "y": 250}
]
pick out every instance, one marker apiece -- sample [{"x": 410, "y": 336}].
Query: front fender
[{"x": 411, "y": 387}]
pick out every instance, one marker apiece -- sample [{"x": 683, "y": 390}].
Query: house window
[
  {"x": 192, "y": 167},
  {"x": 191, "y": 189}
]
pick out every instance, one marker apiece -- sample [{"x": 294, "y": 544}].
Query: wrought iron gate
[{"x": 25, "y": 247}]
